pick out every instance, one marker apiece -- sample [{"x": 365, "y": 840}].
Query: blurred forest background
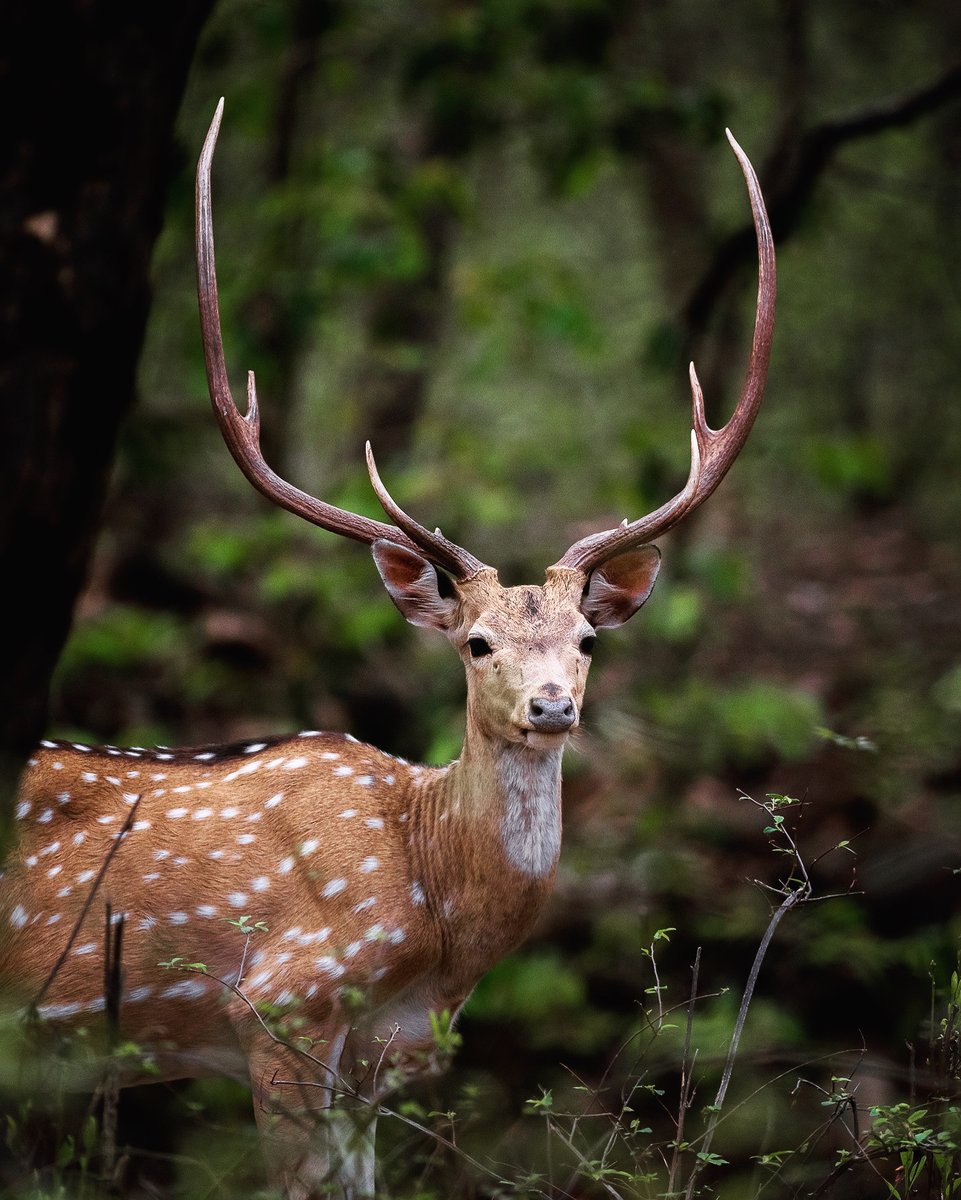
[{"x": 489, "y": 235}]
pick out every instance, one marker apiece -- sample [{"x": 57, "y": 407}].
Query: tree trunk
[{"x": 90, "y": 93}]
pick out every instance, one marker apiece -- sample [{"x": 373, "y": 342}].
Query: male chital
[{"x": 386, "y": 889}]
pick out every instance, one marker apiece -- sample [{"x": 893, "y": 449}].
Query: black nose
[{"x": 551, "y": 716}]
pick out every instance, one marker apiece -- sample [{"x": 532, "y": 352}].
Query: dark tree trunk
[{"x": 89, "y": 93}]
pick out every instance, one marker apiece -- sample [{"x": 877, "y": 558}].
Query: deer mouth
[{"x": 539, "y": 739}]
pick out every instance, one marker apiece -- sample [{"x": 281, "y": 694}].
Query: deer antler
[
  {"x": 242, "y": 432},
  {"x": 712, "y": 450}
]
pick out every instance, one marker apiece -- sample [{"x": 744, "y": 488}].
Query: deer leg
[
  {"x": 352, "y": 1133},
  {"x": 318, "y": 1137}
]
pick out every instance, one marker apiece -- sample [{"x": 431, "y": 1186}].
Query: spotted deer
[{"x": 317, "y": 875}]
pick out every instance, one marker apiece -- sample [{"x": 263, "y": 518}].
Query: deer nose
[{"x": 548, "y": 715}]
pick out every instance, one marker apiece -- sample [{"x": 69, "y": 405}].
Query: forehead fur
[{"x": 551, "y": 608}]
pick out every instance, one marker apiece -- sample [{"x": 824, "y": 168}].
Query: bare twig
[
  {"x": 687, "y": 1072},
  {"x": 94, "y": 887}
]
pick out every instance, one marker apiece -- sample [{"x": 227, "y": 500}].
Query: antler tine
[
  {"x": 242, "y": 432},
  {"x": 712, "y": 450},
  {"x": 438, "y": 549}
]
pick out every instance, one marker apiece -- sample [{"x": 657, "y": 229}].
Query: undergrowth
[{"x": 664, "y": 1120}]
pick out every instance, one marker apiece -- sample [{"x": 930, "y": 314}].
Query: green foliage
[
  {"x": 541, "y": 990},
  {"x": 122, "y": 637},
  {"x": 854, "y": 465},
  {"x": 741, "y": 724}
]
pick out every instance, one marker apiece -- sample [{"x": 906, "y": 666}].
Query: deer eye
[
  {"x": 587, "y": 644},
  {"x": 478, "y": 647}
]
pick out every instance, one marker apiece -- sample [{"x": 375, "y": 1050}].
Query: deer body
[
  {"x": 368, "y": 872},
  {"x": 315, "y": 877}
]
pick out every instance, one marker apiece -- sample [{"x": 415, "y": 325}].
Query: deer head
[{"x": 526, "y": 650}]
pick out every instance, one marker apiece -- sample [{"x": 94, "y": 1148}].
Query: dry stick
[
  {"x": 790, "y": 900},
  {"x": 112, "y": 990},
  {"x": 687, "y": 1074},
  {"x": 627, "y": 1097},
  {"x": 124, "y": 830}
]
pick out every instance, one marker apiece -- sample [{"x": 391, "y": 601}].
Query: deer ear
[
  {"x": 618, "y": 588},
  {"x": 422, "y": 594}
]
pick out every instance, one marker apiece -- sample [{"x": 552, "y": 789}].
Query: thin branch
[
  {"x": 687, "y": 1073},
  {"x": 108, "y": 859}
]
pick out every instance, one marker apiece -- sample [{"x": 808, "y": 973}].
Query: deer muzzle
[{"x": 551, "y": 714}]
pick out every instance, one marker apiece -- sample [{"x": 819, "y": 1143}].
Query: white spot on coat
[
  {"x": 330, "y": 966},
  {"x": 58, "y": 1012},
  {"x": 189, "y": 989},
  {"x": 246, "y": 769}
]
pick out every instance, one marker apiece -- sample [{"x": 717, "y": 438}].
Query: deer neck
[
  {"x": 512, "y": 794},
  {"x": 487, "y": 847}
]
